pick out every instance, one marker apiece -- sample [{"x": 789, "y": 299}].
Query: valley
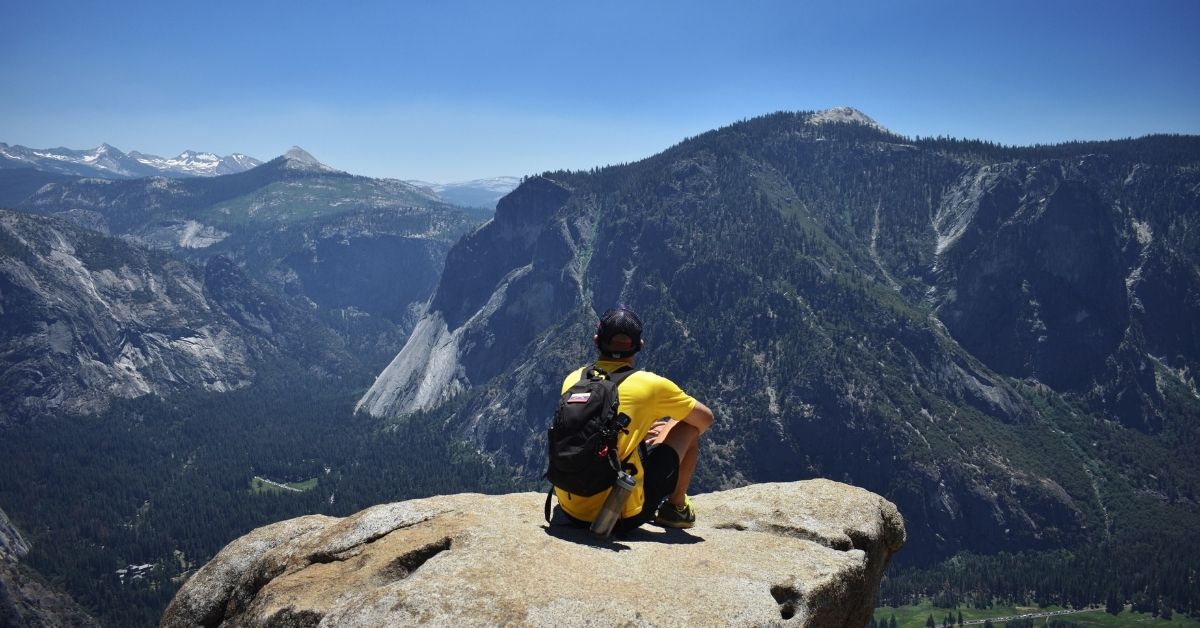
[
  {"x": 917, "y": 616},
  {"x": 1000, "y": 340}
]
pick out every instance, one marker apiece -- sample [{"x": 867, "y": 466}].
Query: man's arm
[{"x": 700, "y": 417}]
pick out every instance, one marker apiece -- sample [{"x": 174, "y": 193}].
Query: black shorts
[{"x": 661, "y": 466}]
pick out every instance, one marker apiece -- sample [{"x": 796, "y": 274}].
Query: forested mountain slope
[
  {"x": 1001, "y": 341},
  {"x": 342, "y": 241},
  {"x": 88, "y": 318},
  {"x": 165, "y": 343}
]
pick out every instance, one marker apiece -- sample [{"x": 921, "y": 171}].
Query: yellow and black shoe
[{"x": 672, "y": 516}]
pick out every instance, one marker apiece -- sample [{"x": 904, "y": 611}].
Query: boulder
[{"x": 805, "y": 553}]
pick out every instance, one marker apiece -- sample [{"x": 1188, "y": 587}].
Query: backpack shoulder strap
[
  {"x": 620, "y": 374},
  {"x": 615, "y": 377}
]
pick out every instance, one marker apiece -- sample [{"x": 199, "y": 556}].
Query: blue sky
[{"x": 454, "y": 90}]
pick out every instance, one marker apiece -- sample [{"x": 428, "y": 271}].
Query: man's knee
[{"x": 681, "y": 438}]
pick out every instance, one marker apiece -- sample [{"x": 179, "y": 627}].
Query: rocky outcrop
[
  {"x": 12, "y": 545},
  {"x": 25, "y": 598},
  {"x": 805, "y": 553}
]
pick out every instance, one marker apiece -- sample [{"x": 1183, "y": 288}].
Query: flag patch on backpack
[{"x": 579, "y": 397}]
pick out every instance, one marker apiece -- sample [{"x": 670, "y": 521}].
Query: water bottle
[{"x": 613, "y": 506}]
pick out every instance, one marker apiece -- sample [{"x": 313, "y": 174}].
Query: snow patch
[
  {"x": 773, "y": 401},
  {"x": 108, "y": 159}
]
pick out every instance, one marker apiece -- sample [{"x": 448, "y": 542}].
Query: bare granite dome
[{"x": 804, "y": 553}]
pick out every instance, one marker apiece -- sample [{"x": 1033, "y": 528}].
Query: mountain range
[
  {"x": 109, "y": 162},
  {"x": 126, "y": 281},
  {"x": 475, "y": 193},
  {"x": 1002, "y": 341}
]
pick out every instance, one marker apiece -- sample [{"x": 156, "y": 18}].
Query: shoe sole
[{"x": 679, "y": 525}]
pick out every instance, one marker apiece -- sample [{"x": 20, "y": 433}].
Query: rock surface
[
  {"x": 25, "y": 597},
  {"x": 804, "y": 553},
  {"x": 87, "y": 318}
]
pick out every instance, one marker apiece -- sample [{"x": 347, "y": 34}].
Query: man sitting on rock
[{"x": 663, "y": 418}]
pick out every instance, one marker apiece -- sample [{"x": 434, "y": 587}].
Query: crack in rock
[
  {"x": 350, "y": 550},
  {"x": 854, "y": 540},
  {"x": 404, "y": 565},
  {"x": 841, "y": 545}
]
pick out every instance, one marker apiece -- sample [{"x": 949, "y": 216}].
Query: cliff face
[
  {"x": 804, "y": 553},
  {"x": 25, "y": 598},
  {"x": 1060, "y": 271},
  {"x": 86, "y": 318},
  {"x": 852, "y": 305}
]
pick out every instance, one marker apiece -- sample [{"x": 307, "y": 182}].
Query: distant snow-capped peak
[
  {"x": 109, "y": 161},
  {"x": 845, "y": 115},
  {"x": 198, "y": 163}
]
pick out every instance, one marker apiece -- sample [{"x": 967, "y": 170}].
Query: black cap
[{"x": 619, "y": 333}]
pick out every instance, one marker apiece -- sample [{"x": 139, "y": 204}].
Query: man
[{"x": 662, "y": 417}]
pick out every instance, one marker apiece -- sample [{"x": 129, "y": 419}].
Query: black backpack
[{"x": 582, "y": 440}]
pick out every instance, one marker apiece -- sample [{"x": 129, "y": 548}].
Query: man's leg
[{"x": 685, "y": 440}]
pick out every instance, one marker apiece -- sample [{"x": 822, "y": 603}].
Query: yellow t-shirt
[{"x": 645, "y": 398}]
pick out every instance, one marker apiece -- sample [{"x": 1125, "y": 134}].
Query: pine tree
[{"x": 1112, "y": 605}]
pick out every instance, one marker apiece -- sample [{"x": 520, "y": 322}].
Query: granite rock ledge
[{"x": 808, "y": 553}]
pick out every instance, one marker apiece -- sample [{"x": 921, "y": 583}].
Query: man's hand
[{"x": 658, "y": 431}]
